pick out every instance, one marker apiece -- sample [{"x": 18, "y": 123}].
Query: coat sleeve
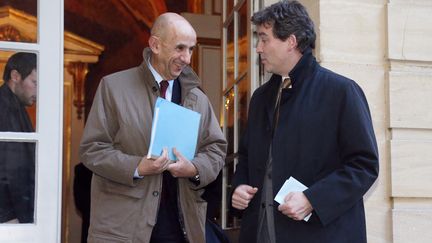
[
  {"x": 336, "y": 193},
  {"x": 241, "y": 172},
  {"x": 211, "y": 151},
  {"x": 241, "y": 175},
  {"x": 98, "y": 151}
]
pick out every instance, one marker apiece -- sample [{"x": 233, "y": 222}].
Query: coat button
[{"x": 155, "y": 193}]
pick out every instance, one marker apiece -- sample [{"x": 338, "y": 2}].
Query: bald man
[{"x": 135, "y": 199}]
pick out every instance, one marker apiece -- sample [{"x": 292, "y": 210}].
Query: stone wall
[{"x": 410, "y": 118}]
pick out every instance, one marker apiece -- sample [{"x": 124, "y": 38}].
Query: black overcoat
[
  {"x": 324, "y": 139},
  {"x": 17, "y": 162}
]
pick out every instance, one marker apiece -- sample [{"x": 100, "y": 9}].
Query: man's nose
[
  {"x": 186, "y": 57},
  {"x": 259, "y": 49}
]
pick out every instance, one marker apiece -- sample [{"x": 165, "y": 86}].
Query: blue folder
[{"x": 173, "y": 127}]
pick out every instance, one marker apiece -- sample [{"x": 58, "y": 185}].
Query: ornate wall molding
[
  {"x": 78, "y": 70},
  {"x": 10, "y": 33}
]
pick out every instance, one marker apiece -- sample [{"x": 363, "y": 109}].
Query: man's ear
[
  {"x": 292, "y": 42},
  {"x": 154, "y": 44},
  {"x": 15, "y": 76}
]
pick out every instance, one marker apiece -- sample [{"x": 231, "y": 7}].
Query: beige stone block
[
  {"x": 410, "y": 30},
  {"x": 411, "y": 225},
  {"x": 410, "y": 203},
  {"x": 313, "y": 9},
  {"x": 379, "y": 223},
  {"x": 380, "y": 191},
  {"x": 411, "y": 168},
  {"x": 269, "y": 2},
  {"x": 410, "y": 100},
  {"x": 378, "y": 202},
  {"x": 352, "y": 32},
  {"x": 411, "y": 134}
]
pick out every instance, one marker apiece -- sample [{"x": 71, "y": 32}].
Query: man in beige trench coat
[{"x": 135, "y": 199}]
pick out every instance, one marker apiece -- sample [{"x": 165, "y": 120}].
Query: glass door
[
  {"x": 238, "y": 83},
  {"x": 31, "y": 103}
]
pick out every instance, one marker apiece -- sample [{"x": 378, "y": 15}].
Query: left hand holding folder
[{"x": 182, "y": 167}]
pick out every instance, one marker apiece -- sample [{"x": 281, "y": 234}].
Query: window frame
[{"x": 49, "y": 133}]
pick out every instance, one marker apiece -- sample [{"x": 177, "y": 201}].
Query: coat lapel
[{"x": 271, "y": 94}]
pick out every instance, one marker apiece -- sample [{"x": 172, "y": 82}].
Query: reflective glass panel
[
  {"x": 229, "y": 6},
  {"x": 17, "y": 182},
  {"x": 229, "y": 120},
  {"x": 18, "y": 21},
  {"x": 243, "y": 100},
  {"x": 230, "y": 55},
  {"x": 242, "y": 47},
  {"x": 231, "y": 157},
  {"x": 231, "y": 221},
  {"x": 18, "y": 91}
]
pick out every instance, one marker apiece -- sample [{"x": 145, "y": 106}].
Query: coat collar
[
  {"x": 16, "y": 112},
  {"x": 9, "y": 98},
  {"x": 304, "y": 68}
]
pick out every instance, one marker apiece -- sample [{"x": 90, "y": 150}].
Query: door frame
[{"x": 49, "y": 132}]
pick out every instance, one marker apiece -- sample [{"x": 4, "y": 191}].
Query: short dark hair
[
  {"x": 22, "y": 62},
  {"x": 288, "y": 17}
]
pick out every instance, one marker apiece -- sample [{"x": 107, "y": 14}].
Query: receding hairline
[{"x": 166, "y": 22}]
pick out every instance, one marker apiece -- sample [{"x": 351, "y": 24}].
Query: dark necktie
[
  {"x": 284, "y": 84},
  {"x": 163, "y": 88},
  {"x": 165, "y": 182}
]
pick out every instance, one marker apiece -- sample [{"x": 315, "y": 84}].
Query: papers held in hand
[
  {"x": 173, "y": 127},
  {"x": 291, "y": 185}
]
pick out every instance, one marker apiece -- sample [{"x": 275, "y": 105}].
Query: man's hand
[
  {"x": 154, "y": 166},
  {"x": 182, "y": 167},
  {"x": 242, "y": 195},
  {"x": 296, "y": 206}
]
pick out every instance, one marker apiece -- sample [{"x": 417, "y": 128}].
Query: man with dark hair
[
  {"x": 139, "y": 199},
  {"x": 310, "y": 124},
  {"x": 17, "y": 159}
]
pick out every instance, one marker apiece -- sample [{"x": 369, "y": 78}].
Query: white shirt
[{"x": 158, "y": 78}]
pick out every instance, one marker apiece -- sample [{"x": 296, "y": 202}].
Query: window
[
  {"x": 43, "y": 36},
  {"x": 238, "y": 81}
]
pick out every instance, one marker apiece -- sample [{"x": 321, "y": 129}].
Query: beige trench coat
[{"x": 117, "y": 136}]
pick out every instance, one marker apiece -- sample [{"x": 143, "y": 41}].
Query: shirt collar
[
  {"x": 158, "y": 78},
  {"x": 283, "y": 78},
  {"x": 156, "y": 75}
]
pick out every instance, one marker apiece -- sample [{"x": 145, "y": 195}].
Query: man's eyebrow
[
  {"x": 261, "y": 34},
  {"x": 180, "y": 45}
]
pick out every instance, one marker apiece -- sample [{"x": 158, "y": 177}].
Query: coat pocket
[
  {"x": 107, "y": 238},
  {"x": 117, "y": 188}
]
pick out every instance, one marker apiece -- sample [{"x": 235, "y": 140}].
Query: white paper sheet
[{"x": 291, "y": 185}]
